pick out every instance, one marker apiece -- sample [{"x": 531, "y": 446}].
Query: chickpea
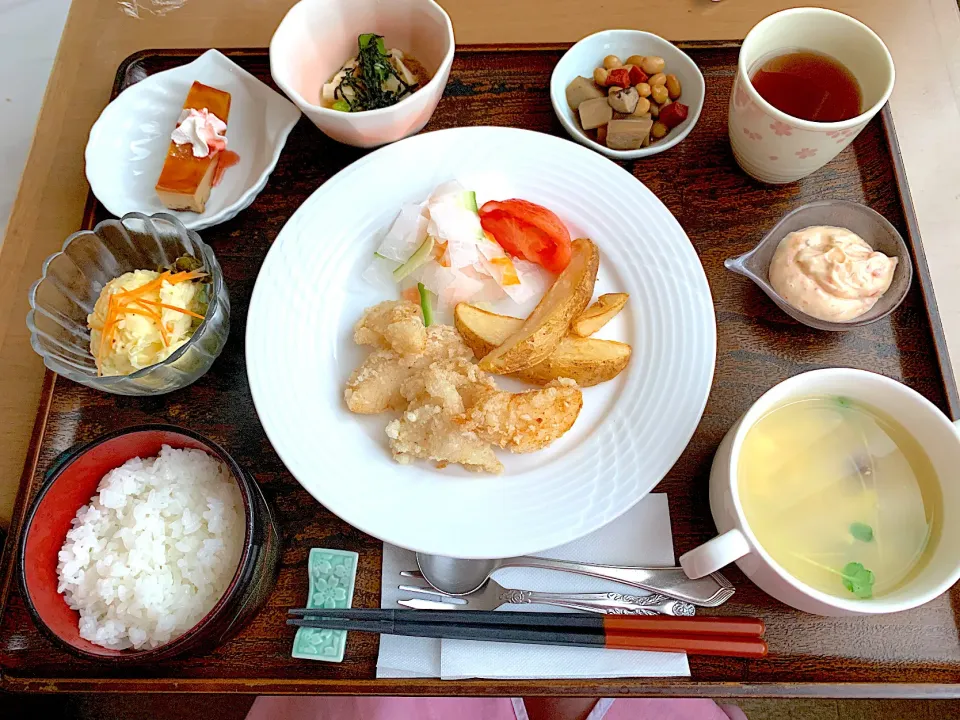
[
  {"x": 673, "y": 86},
  {"x": 613, "y": 90},
  {"x": 654, "y": 110},
  {"x": 659, "y": 130},
  {"x": 612, "y": 61},
  {"x": 643, "y": 89},
  {"x": 659, "y": 94},
  {"x": 653, "y": 64},
  {"x": 643, "y": 107},
  {"x": 600, "y": 76},
  {"x": 635, "y": 60},
  {"x": 658, "y": 79}
]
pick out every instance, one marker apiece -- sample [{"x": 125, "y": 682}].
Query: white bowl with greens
[{"x": 317, "y": 37}]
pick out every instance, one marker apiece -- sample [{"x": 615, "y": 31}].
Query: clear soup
[{"x": 840, "y": 495}]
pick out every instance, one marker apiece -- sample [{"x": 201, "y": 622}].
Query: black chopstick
[
  {"x": 612, "y": 637},
  {"x": 704, "y": 625}
]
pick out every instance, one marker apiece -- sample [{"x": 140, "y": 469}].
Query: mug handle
[{"x": 714, "y": 554}]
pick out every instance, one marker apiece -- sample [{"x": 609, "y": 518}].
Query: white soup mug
[
  {"x": 775, "y": 147},
  {"x": 737, "y": 543}
]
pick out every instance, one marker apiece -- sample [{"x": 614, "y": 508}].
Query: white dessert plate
[
  {"x": 129, "y": 141},
  {"x": 310, "y": 293}
]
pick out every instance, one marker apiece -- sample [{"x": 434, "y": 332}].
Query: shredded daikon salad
[{"x": 441, "y": 245}]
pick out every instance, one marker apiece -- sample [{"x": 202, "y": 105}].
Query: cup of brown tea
[{"x": 808, "y": 81}]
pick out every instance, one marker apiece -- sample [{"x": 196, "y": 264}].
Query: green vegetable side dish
[
  {"x": 366, "y": 87},
  {"x": 426, "y": 305},
  {"x": 861, "y": 531},
  {"x": 858, "y": 580}
]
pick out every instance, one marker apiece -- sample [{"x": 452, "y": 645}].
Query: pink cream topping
[{"x": 201, "y": 129}]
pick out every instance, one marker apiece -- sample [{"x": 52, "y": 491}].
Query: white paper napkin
[{"x": 639, "y": 537}]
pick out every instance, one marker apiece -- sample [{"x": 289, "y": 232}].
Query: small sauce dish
[{"x": 867, "y": 223}]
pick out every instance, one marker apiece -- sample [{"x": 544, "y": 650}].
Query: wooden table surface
[{"x": 923, "y": 35}]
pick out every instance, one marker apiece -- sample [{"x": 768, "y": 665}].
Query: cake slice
[{"x": 186, "y": 179}]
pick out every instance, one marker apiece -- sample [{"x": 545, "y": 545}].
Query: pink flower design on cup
[
  {"x": 841, "y": 135},
  {"x": 805, "y": 153},
  {"x": 740, "y": 98},
  {"x": 752, "y": 135},
  {"x": 774, "y": 158},
  {"x": 781, "y": 128}
]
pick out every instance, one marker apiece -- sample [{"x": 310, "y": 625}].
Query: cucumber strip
[
  {"x": 468, "y": 200},
  {"x": 426, "y": 305},
  {"x": 421, "y": 256}
]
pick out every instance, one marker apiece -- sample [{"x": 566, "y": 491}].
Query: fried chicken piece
[
  {"x": 526, "y": 421},
  {"x": 451, "y": 411},
  {"x": 430, "y": 433},
  {"x": 375, "y": 385},
  {"x": 432, "y": 428},
  {"x": 392, "y": 325},
  {"x": 453, "y": 384}
]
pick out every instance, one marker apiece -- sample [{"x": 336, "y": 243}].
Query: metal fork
[{"x": 492, "y": 595}]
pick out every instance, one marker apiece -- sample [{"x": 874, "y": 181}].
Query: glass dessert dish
[{"x": 73, "y": 278}]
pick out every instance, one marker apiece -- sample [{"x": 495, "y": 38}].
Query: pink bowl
[
  {"x": 73, "y": 480},
  {"x": 317, "y": 36}
]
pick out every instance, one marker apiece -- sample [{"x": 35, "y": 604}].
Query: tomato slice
[{"x": 528, "y": 231}]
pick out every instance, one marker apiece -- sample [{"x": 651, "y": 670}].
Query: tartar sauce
[{"x": 830, "y": 273}]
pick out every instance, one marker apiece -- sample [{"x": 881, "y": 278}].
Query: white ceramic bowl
[
  {"x": 737, "y": 543},
  {"x": 317, "y": 36},
  {"x": 129, "y": 141},
  {"x": 588, "y": 54}
]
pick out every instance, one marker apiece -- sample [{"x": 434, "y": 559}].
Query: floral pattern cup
[{"x": 775, "y": 147}]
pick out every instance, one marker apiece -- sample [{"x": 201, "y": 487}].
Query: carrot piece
[
  {"x": 106, "y": 334},
  {"x": 184, "y": 276},
  {"x": 154, "y": 284},
  {"x": 153, "y": 316},
  {"x": 172, "y": 307}
]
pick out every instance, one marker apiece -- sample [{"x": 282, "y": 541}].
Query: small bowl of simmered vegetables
[
  {"x": 365, "y": 72},
  {"x": 136, "y": 306},
  {"x": 627, "y": 93}
]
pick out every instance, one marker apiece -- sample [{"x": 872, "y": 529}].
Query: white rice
[{"x": 154, "y": 550}]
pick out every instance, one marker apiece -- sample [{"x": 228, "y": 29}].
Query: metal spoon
[{"x": 457, "y": 577}]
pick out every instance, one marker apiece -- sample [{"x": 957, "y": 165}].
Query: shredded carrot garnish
[
  {"x": 106, "y": 334},
  {"x": 440, "y": 254},
  {"x": 510, "y": 276},
  {"x": 172, "y": 307},
  {"x": 134, "y": 302},
  {"x": 153, "y": 316},
  {"x": 184, "y": 276}
]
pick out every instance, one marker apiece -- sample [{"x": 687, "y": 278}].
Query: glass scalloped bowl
[{"x": 74, "y": 277}]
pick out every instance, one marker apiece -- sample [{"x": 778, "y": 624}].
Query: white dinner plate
[
  {"x": 130, "y": 139},
  {"x": 631, "y": 430}
]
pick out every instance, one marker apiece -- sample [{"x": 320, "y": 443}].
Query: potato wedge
[
  {"x": 599, "y": 314},
  {"x": 550, "y": 320},
  {"x": 587, "y": 360}
]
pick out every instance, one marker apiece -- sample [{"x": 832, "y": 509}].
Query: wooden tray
[{"x": 725, "y": 213}]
